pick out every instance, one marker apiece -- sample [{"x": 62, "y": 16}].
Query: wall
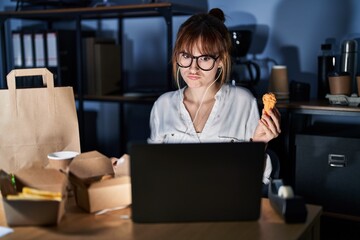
[{"x": 294, "y": 30}]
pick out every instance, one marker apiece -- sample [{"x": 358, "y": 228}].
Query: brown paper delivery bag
[{"x": 35, "y": 121}]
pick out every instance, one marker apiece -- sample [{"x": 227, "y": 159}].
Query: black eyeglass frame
[{"x": 197, "y": 58}]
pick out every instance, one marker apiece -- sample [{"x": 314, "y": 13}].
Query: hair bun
[{"x": 218, "y": 13}]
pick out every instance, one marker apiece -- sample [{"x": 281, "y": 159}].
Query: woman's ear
[{"x": 221, "y": 65}]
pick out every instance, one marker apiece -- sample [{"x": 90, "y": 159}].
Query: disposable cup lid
[{"x": 62, "y": 155}]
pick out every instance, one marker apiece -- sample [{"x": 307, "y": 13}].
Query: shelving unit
[{"x": 119, "y": 12}]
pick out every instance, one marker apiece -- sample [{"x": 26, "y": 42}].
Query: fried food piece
[
  {"x": 35, "y": 194},
  {"x": 269, "y": 101},
  {"x": 32, "y": 191}
]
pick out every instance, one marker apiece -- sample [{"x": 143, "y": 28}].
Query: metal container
[{"x": 349, "y": 61}]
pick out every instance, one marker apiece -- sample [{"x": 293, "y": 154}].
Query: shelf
[
  {"x": 318, "y": 107},
  {"x": 165, "y": 10},
  {"x": 145, "y": 98},
  {"x": 117, "y": 11}
]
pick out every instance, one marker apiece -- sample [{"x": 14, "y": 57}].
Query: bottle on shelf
[
  {"x": 349, "y": 61},
  {"x": 326, "y": 65}
]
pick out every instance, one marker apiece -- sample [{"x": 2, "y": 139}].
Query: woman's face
[{"x": 194, "y": 76}]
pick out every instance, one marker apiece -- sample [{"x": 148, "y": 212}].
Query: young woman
[{"x": 206, "y": 108}]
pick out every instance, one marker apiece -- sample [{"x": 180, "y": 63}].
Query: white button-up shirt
[{"x": 233, "y": 118}]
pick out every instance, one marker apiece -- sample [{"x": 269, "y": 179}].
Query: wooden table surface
[{"x": 77, "y": 224}]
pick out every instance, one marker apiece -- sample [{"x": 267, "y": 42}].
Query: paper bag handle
[
  {"x": 48, "y": 81},
  {"x": 47, "y": 76}
]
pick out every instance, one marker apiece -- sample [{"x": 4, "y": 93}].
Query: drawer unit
[{"x": 327, "y": 172}]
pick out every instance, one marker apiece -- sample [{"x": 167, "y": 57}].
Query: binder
[
  {"x": 52, "y": 51},
  {"x": 39, "y": 44},
  {"x": 102, "y": 69},
  {"x": 28, "y": 50},
  {"x": 17, "y": 49},
  {"x": 66, "y": 57},
  {"x": 89, "y": 65},
  {"x": 107, "y": 67}
]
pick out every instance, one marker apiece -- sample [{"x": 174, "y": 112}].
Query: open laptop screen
[{"x": 196, "y": 181}]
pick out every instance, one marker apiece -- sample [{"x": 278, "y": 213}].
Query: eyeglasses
[{"x": 204, "y": 62}]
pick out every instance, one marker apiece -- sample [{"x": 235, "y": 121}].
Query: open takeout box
[
  {"x": 97, "y": 186},
  {"x": 25, "y": 212}
]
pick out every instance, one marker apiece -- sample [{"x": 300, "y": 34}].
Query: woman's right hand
[{"x": 268, "y": 126}]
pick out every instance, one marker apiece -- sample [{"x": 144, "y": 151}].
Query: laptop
[{"x": 196, "y": 182}]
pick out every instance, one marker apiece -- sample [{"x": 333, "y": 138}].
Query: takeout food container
[
  {"x": 25, "y": 212},
  {"x": 97, "y": 186}
]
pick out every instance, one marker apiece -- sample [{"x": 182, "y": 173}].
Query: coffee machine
[{"x": 244, "y": 72}]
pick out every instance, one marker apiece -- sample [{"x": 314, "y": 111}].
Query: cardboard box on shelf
[
  {"x": 97, "y": 186},
  {"x": 24, "y": 211}
]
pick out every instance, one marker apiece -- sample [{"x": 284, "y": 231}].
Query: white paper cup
[{"x": 61, "y": 160}]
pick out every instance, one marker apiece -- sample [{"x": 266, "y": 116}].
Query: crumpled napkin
[{"x": 5, "y": 230}]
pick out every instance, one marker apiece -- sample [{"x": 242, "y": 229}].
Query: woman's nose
[{"x": 194, "y": 65}]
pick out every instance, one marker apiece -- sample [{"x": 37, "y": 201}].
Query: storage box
[
  {"x": 327, "y": 172},
  {"x": 96, "y": 185},
  {"x": 35, "y": 212}
]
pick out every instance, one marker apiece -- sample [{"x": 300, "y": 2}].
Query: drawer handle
[{"x": 337, "y": 160}]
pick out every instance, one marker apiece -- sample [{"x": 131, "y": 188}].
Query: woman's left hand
[{"x": 268, "y": 127}]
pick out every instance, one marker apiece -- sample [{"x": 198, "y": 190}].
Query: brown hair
[{"x": 210, "y": 30}]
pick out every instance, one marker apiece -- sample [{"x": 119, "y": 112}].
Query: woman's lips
[{"x": 193, "y": 77}]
